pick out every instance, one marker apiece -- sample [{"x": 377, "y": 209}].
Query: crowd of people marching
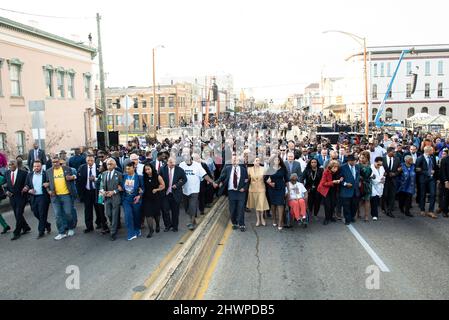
[{"x": 288, "y": 184}]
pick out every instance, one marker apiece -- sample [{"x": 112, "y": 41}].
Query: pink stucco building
[{"x": 46, "y": 92}]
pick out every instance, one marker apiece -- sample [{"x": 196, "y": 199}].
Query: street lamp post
[
  {"x": 361, "y": 41},
  {"x": 154, "y": 89}
]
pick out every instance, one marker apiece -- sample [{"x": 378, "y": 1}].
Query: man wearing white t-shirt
[{"x": 195, "y": 173}]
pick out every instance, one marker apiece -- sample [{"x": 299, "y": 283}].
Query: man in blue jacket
[{"x": 350, "y": 191}]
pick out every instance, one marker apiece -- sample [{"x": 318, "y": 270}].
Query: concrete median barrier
[{"x": 181, "y": 276}]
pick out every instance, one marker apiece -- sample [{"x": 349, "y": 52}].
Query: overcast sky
[{"x": 272, "y": 48}]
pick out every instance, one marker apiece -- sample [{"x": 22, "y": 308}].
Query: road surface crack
[{"x": 259, "y": 274}]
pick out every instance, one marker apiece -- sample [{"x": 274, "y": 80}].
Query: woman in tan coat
[{"x": 257, "y": 198}]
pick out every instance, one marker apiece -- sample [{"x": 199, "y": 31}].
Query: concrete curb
[{"x": 182, "y": 276}]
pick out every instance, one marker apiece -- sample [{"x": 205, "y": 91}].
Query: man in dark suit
[
  {"x": 414, "y": 153},
  {"x": 15, "y": 183},
  {"x": 36, "y": 154},
  {"x": 77, "y": 160},
  {"x": 349, "y": 191},
  {"x": 174, "y": 178},
  {"x": 444, "y": 180},
  {"x": 39, "y": 197},
  {"x": 234, "y": 182},
  {"x": 159, "y": 163},
  {"x": 112, "y": 180},
  {"x": 88, "y": 193},
  {"x": 392, "y": 166},
  {"x": 427, "y": 170}
]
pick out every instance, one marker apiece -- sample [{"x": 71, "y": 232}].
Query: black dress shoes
[
  {"x": 48, "y": 228},
  {"x": 158, "y": 229},
  {"x": 167, "y": 229},
  {"x": 41, "y": 235},
  {"x": 389, "y": 214},
  {"x": 113, "y": 237},
  {"x": 5, "y": 231},
  {"x": 26, "y": 230},
  {"x": 175, "y": 230},
  {"x": 15, "y": 237},
  {"x": 88, "y": 230}
]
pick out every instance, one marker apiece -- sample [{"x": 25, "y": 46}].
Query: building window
[
  {"x": 171, "y": 102},
  {"x": 49, "y": 83},
  {"x": 136, "y": 122},
  {"x": 109, "y": 103},
  {"x": 171, "y": 119},
  {"x": 60, "y": 83},
  {"x": 427, "y": 68},
  {"x": 2, "y": 141},
  {"x": 440, "y": 68},
  {"x": 440, "y": 90},
  {"x": 374, "y": 91},
  {"x": 15, "y": 78},
  {"x": 110, "y": 120},
  {"x": 442, "y": 111},
  {"x": 427, "y": 91},
  {"x": 409, "y": 90},
  {"x": 161, "y": 102},
  {"x": 410, "y": 112},
  {"x": 87, "y": 85},
  {"x": 144, "y": 103},
  {"x": 71, "y": 86},
  {"x": 20, "y": 135},
  {"x": 425, "y": 110},
  {"x": 389, "y": 69},
  {"x": 390, "y": 94},
  {"x": 152, "y": 119},
  {"x": 136, "y": 103},
  {"x": 374, "y": 113},
  {"x": 375, "y": 70},
  {"x": 118, "y": 120},
  {"x": 389, "y": 114},
  {"x": 409, "y": 68},
  {"x": 382, "y": 69}
]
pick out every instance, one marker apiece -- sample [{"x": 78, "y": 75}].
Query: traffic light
[{"x": 215, "y": 92}]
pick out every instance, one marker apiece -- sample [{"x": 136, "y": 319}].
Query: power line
[{"x": 45, "y": 16}]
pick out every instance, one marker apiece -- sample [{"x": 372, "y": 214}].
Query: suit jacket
[
  {"x": 41, "y": 157},
  {"x": 70, "y": 185},
  {"x": 112, "y": 185},
  {"x": 444, "y": 170},
  {"x": 423, "y": 173},
  {"x": 396, "y": 165},
  {"x": 163, "y": 164},
  {"x": 226, "y": 175},
  {"x": 82, "y": 177},
  {"x": 321, "y": 160},
  {"x": 296, "y": 168},
  {"x": 179, "y": 179},
  {"x": 346, "y": 173},
  {"x": 19, "y": 183},
  {"x": 29, "y": 184}
]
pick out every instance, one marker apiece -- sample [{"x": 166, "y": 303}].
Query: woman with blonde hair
[
  {"x": 257, "y": 198},
  {"x": 328, "y": 188}
]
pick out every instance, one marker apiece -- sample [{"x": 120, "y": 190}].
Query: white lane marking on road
[{"x": 368, "y": 249}]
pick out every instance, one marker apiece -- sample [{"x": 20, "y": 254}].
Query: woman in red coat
[{"x": 328, "y": 188}]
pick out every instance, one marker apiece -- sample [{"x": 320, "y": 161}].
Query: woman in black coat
[{"x": 311, "y": 178}]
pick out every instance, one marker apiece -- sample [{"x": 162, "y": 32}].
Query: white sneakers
[
  {"x": 132, "y": 238},
  {"x": 70, "y": 233},
  {"x": 374, "y": 218},
  {"x": 60, "y": 237}
]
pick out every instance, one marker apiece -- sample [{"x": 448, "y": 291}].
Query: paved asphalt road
[
  {"x": 328, "y": 262},
  {"x": 36, "y": 269}
]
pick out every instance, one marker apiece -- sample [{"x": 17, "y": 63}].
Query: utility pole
[
  {"x": 102, "y": 89},
  {"x": 154, "y": 97}
]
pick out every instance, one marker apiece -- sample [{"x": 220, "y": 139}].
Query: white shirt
[
  {"x": 15, "y": 175},
  {"x": 140, "y": 169},
  {"x": 297, "y": 190},
  {"x": 378, "y": 186},
  {"x": 378, "y": 152},
  {"x": 94, "y": 173},
  {"x": 195, "y": 173},
  {"x": 231, "y": 178},
  {"x": 414, "y": 156},
  {"x": 303, "y": 164}
]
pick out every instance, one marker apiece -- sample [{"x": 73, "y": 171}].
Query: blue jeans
[
  {"x": 62, "y": 207},
  {"x": 132, "y": 217}
]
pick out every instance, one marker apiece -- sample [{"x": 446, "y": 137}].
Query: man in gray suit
[
  {"x": 292, "y": 165},
  {"x": 112, "y": 181}
]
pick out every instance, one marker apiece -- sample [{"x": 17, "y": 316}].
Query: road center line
[{"x": 368, "y": 249}]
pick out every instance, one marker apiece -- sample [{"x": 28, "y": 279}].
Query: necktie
[
  {"x": 170, "y": 181},
  {"x": 35, "y": 155},
  {"x": 12, "y": 178},
  {"x": 391, "y": 164},
  {"x": 235, "y": 178},
  {"x": 353, "y": 172},
  {"x": 91, "y": 185},
  {"x": 158, "y": 166},
  {"x": 430, "y": 165}
]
